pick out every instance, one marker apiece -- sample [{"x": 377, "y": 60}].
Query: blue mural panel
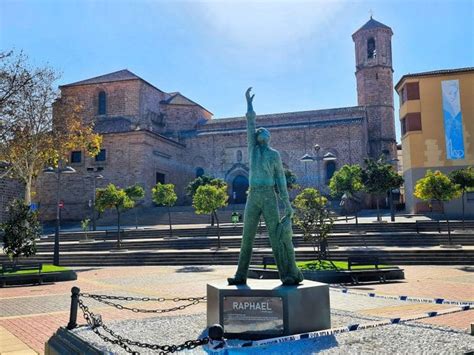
[{"x": 453, "y": 130}]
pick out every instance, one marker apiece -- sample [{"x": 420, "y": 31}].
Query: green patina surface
[
  {"x": 326, "y": 265},
  {"x": 267, "y": 187},
  {"x": 46, "y": 268}
]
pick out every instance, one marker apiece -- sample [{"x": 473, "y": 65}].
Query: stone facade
[
  {"x": 9, "y": 190},
  {"x": 150, "y": 135},
  {"x": 374, "y": 74}
]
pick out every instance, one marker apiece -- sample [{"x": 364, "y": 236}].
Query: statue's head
[{"x": 263, "y": 136}]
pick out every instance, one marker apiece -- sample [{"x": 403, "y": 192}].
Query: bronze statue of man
[{"x": 267, "y": 187}]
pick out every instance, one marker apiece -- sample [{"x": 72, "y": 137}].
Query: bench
[
  {"x": 268, "y": 260},
  {"x": 11, "y": 267},
  {"x": 355, "y": 274}
]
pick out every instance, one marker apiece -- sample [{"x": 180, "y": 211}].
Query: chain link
[
  {"x": 95, "y": 321},
  {"x": 144, "y": 310},
  {"x": 103, "y": 299},
  {"x": 143, "y": 299}
]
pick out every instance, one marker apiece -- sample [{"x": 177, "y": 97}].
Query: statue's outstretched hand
[
  {"x": 248, "y": 96},
  {"x": 249, "y": 99}
]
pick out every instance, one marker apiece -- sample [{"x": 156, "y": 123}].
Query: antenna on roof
[{"x": 371, "y": 13}]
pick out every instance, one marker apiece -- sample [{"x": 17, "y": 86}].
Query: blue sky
[{"x": 297, "y": 55}]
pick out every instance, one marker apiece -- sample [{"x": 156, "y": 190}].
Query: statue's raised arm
[
  {"x": 251, "y": 139},
  {"x": 249, "y": 100}
]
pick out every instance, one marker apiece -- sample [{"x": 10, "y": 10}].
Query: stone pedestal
[{"x": 265, "y": 308}]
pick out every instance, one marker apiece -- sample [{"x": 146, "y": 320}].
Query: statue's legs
[
  {"x": 281, "y": 241},
  {"x": 251, "y": 219}
]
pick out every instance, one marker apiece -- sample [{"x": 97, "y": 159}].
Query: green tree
[
  {"x": 313, "y": 217},
  {"x": 164, "y": 195},
  {"x": 202, "y": 181},
  {"x": 379, "y": 177},
  {"x": 347, "y": 180},
  {"x": 112, "y": 197},
  {"x": 464, "y": 178},
  {"x": 85, "y": 227},
  {"x": 291, "y": 179},
  {"x": 208, "y": 199},
  {"x": 20, "y": 231},
  {"x": 136, "y": 193},
  {"x": 436, "y": 186}
]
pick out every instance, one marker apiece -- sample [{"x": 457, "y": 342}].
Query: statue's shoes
[
  {"x": 236, "y": 281},
  {"x": 288, "y": 281}
]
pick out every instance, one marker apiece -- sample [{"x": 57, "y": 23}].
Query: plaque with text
[{"x": 262, "y": 315}]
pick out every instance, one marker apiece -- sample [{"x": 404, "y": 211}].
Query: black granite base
[{"x": 266, "y": 308}]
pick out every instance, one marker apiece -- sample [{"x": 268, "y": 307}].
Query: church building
[{"x": 151, "y": 136}]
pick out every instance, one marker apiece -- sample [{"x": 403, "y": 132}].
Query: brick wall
[
  {"x": 9, "y": 190},
  {"x": 132, "y": 157}
]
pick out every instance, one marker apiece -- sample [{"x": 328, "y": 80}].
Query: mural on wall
[{"x": 453, "y": 131}]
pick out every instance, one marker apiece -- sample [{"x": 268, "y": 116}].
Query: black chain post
[
  {"x": 75, "y": 291},
  {"x": 216, "y": 332}
]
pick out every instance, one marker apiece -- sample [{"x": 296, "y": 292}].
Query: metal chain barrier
[
  {"x": 95, "y": 321},
  {"x": 103, "y": 299}
]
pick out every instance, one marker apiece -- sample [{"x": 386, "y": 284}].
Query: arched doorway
[
  {"x": 330, "y": 170},
  {"x": 240, "y": 186}
]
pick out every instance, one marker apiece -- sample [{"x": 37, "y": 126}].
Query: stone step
[{"x": 229, "y": 257}]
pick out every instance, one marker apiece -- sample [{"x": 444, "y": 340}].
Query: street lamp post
[
  {"x": 318, "y": 158},
  {"x": 392, "y": 207},
  {"x": 58, "y": 171}
]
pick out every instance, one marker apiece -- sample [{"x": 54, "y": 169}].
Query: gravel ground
[{"x": 410, "y": 338}]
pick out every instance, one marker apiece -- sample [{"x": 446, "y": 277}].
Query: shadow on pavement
[{"x": 195, "y": 269}]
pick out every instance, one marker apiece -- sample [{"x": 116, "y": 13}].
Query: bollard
[
  {"x": 472, "y": 328},
  {"x": 73, "y": 312}
]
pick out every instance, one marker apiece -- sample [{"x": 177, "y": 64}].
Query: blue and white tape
[
  {"x": 405, "y": 298},
  {"x": 346, "y": 329}
]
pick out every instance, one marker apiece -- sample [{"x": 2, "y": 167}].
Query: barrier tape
[
  {"x": 219, "y": 346},
  {"x": 405, "y": 298}
]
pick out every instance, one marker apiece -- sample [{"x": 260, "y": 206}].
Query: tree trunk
[
  {"x": 169, "y": 219},
  {"x": 378, "y": 209},
  {"x": 118, "y": 228},
  {"x": 136, "y": 218},
  {"x": 449, "y": 228},
  {"x": 218, "y": 231},
  {"x": 462, "y": 197},
  {"x": 28, "y": 191}
]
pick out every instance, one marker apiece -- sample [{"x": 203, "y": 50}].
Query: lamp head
[
  {"x": 68, "y": 170},
  {"x": 306, "y": 158},
  {"x": 49, "y": 170}
]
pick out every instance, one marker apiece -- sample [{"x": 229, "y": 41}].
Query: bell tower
[{"x": 374, "y": 74}]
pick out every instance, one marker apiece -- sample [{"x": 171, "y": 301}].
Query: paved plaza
[{"x": 31, "y": 314}]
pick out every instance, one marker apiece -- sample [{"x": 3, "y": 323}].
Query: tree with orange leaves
[{"x": 31, "y": 135}]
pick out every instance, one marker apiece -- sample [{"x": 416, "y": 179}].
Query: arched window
[
  {"x": 371, "y": 51},
  {"x": 239, "y": 156},
  {"x": 330, "y": 170},
  {"x": 199, "y": 172},
  {"x": 102, "y": 103}
]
